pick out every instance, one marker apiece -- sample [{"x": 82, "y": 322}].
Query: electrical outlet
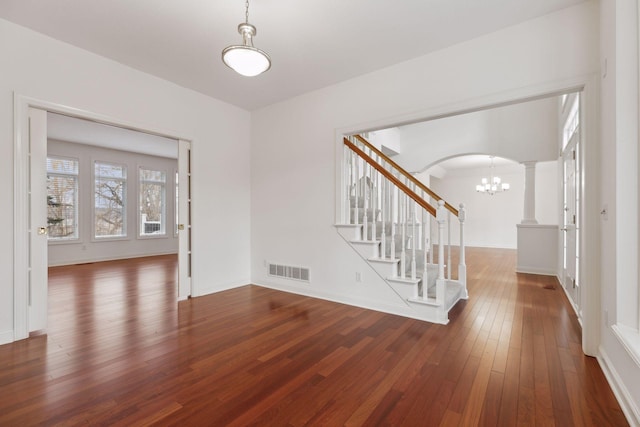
[{"x": 358, "y": 277}]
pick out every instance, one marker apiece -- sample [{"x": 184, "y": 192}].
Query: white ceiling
[
  {"x": 312, "y": 43},
  {"x": 64, "y": 128}
]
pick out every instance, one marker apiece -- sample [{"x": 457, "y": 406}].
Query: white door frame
[
  {"x": 570, "y": 251},
  {"x": 589, "y": 170},
  {"x": 21, "y": 212}
]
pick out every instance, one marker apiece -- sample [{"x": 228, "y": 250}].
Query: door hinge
[
  {"x": 574, "y": 219},
  {"x": 573, "y": 153}
]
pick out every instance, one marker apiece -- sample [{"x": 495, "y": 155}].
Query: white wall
[
  {"x": 525, "y": 131},
  {"x": 293, "y": 151},
  {"x": 42, "y": 68},
  {"x": 86, "y": 248},
  {"x": 491, "y": 220},
  {"x": 548, "y": 193},
  {"x": 619, "y": 195}
]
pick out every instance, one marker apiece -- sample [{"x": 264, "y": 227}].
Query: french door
[
  {"x": 571, "y": 203},
  {"x": 37, "y": 292},
  {"x": 571, "y": 280},
  {"x": 36, "y": 289}
]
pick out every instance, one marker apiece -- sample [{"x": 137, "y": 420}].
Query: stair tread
[
  {"x": 407, "y": 280},
  {"x": 367, "y": 242},
  {"x": 385, "y": 260}
]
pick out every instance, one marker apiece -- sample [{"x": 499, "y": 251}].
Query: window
[
  {"x": 62, "y": 198},
  {"x": 110, "y": 200},
  {"x": 152, "y": 202}
]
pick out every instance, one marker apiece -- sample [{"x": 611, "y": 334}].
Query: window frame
[
  {"x": 125, "y": 207},
  {"x": 76, "y": 201},
  {"x": 163, "y": 214}
]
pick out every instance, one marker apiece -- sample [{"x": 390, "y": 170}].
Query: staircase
[{"x": 389, "y": 219}]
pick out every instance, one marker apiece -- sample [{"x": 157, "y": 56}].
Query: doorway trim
[
  {"x": 21, "y": 164},
  {"x": 589, "y": 248}
]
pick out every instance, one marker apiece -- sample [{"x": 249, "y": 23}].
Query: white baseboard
[
  {"x": 368, "y": 305},
  {"x": 536, "y": 270},
  {"x": 109, "y": 258},
  {"x": 218, "y": 287},
  {"x": 6, "y": 337},
  {"x": 627, "y": 404}
]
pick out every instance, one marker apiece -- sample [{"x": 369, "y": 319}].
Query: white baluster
[
  {"x": 441, "y": 217},
  {"x": 393, "y": 216},
  {"x": 431, "y": 241},
  {"x": 357, "y": 190},
  {"x": 348, "y": 176},
  {"x": 413, "y": 240},
  {"x": 365, "y": 204},
  {"x": 403, "y": 212},
  {"x": 462, "y": 265},
  {"x": 374, "y": 202},
  {"x": 449, "y": 245},
  {"x": 383, "y": 217},
  {"x": 425, "y": 253}
]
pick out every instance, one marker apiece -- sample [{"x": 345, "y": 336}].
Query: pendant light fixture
[
  {"x": 245, "y": 59},
  {"x": 492, "y": 185}
]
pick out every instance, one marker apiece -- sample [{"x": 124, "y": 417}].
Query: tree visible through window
[
  {"x": 152, "y": 202},
  {"x": 110, "y": 196},
  {"x": 62, "y": 198}
]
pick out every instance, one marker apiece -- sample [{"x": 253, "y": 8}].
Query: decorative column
[{"x": 529, "y": 193}]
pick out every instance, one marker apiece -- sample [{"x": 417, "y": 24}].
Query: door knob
[
  {"x": 180, "y": 226},
  {"x": 42, "y": 230}
]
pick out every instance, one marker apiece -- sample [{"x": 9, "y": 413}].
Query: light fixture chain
[{"x": 246, "y": 13}]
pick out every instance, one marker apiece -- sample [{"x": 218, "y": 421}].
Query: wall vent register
[{"x": 289, "y": 272}]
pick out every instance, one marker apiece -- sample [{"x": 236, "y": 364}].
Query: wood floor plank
[{"x": 119, "y": 350}]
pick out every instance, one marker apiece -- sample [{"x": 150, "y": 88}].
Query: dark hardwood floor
[{"x": 120, "y": 351}]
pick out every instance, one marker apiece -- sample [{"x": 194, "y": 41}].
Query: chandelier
[
  {"x": 245, "y": 59},
  {"x": 493, "y": 184}
]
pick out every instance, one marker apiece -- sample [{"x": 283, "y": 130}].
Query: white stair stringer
[{"x": 423, "y": 307}]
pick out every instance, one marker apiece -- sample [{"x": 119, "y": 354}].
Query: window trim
[
  {"x": 77, "y": 205},
  {"x": 164, "y": 234},
  {"x": 125, "y": 222}
]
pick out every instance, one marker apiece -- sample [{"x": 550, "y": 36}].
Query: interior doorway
[
  {"x": 30, "y": 247},
  {"x": 571, "y": 200}
]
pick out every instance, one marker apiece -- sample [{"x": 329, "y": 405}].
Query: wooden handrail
[
  {"x": 406, "y": 174},
  {"x": 419, "y": 200}
]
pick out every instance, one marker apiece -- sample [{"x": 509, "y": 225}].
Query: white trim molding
[
  {"x": 21, "y": 105},
  {"x": 6, "y": 337},
  {"x": 590, "y": 191},
  {"x": 630, "y": 340},
  {"x": 630, "y": 410}
]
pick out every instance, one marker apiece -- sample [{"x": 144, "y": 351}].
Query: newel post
[
  {"x": 441, "y": 218},
  {"x": 462, "y": 264}
]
